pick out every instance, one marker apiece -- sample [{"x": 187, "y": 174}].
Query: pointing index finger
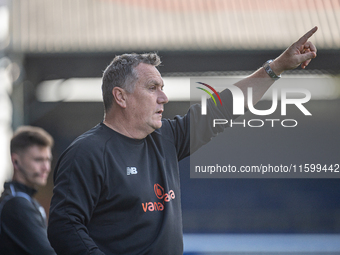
[{"x": 304, "y": 38}]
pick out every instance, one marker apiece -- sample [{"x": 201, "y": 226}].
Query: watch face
[{"x": 269, "y": 71}]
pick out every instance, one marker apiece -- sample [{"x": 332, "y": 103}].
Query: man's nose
[
  {"x": 46, "y": 165},
  {"x": 162, "y": 98}
]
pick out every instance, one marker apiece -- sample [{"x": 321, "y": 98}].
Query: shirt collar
[{"x": 20, "y": 187}]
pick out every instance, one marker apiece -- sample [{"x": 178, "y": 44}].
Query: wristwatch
[{"x": 269, "y": 71}]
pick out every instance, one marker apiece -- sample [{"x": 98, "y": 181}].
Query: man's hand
[{"x": 299, "y": 53}]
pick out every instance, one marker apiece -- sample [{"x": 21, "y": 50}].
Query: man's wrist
[
  {"x": 270, "y": 68},
  {"x": 275, "y": 66}
]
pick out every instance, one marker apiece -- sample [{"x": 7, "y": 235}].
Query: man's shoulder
[
  {"x": 90, "y": 144},
  {"x": 177, "y": 123},
  {"x": 17, "y": 193},
  {"x": 166, "y": 128},
  {"x": 85, "y": 151},
  {"x": 173, "y": 128},
  {"x": 14, "y": 206},
  {"x": 98, "y": 132},
  {"x": 93, "y": 138}
]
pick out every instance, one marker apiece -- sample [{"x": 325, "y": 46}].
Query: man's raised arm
[{"x": 299, "y": 53}]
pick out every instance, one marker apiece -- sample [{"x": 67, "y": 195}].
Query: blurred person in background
[
  {"x": 23, "y": 226},
  {"x": 117, "y": 188}
]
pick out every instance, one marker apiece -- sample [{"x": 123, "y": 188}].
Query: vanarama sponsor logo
[{"x": 160, "y": 194}]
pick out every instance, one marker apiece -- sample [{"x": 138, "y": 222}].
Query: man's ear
[
  {"x": 15, "y": 158},
  {"x": 119, "y": 96}
]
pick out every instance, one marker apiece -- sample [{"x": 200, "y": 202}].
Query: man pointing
[{"x": 117, "y": 188}]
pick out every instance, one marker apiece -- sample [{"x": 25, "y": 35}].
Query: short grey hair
[{"x": 121, "y": 73}]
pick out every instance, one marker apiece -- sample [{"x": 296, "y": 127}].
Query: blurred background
[{"x": 53, "y": 53}]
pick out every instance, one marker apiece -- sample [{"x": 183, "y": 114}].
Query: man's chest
[{"x": 141, "y": 177}]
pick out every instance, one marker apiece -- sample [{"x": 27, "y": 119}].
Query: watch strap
[{"x": 269, "y": 71}]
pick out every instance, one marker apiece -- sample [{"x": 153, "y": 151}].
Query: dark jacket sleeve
[
  {"x": 22, "y": 222},
  {"x": 77, "y": 189},
  {"x": 202, "y": 129},
  {"x": 194, "y": 130}
]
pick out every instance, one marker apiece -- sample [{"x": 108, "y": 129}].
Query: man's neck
[
  {"x": 23, "y": 181},
  {"x": 30, "y": 188}
]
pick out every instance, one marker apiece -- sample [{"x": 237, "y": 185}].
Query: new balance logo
[{"x": 131, "y": 170}]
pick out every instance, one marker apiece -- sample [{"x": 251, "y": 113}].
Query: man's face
[
  {"x": 33, "y": 165},
  {"x": 146, "y": 103}
]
